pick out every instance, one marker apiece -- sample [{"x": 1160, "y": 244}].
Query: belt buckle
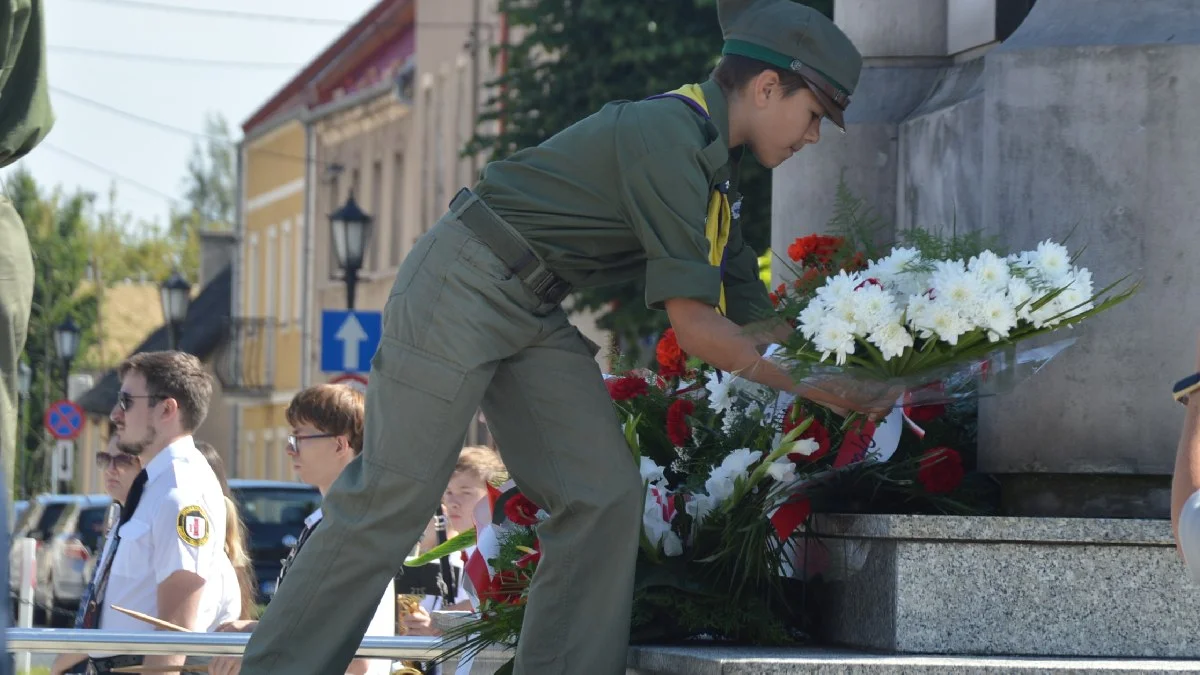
[{"x": 552, "y": 290}]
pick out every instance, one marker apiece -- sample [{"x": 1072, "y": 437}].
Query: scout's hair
[
  {"x": 483, "y": 462},
  {"x": 332, "y": 408},
  {"x": 235, "y": 532},
  {"x": 735, "y": 71},
  {"x": 174, "y": 375}
]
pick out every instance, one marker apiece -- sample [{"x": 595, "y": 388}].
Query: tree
[
  {"x": 58, "y": 228},
  {"x": 576, "y": 55},
  {"x": 209, "y": 192}
]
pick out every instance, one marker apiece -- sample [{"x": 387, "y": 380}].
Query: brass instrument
[{"x": 405, "y": 606}]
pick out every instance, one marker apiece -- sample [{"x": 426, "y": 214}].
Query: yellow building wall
[{"x": 271, "y": 289}]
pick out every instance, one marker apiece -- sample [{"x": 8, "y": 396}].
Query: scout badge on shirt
[
  {"x": 192, "y": 525},
  {"x": 719, "y": 220}
]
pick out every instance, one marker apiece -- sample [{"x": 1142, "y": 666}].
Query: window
[
  {"x": 375, "y": 234},
  {"x": 285, "y": 273},
  {"x": 247, "y": 458},
  {"x": 270, "y": 278},
  {"x": 252, "y": 268},
  {"x": 301, "y": 266},
  {"x": 394, "y": 244}
]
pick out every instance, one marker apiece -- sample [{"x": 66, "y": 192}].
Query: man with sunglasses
[{"x": 168, "y": 557}]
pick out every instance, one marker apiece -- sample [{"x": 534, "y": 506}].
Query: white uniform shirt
[
  {"x": 179, "y": 524},
  {"x": 384, "y": 621}
]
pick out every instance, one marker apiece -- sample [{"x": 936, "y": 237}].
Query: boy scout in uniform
[
  {"x": 638, "y": 188},
  {"x": 25, "y": 119}
]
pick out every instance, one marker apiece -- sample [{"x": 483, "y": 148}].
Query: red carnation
[
  {"x": 940, "y": 470},
  {"x": 924, "y": 413},
  {"x": 815, "y": 431},
  {"x": 678, "y": 429},
  {"x": 671, "y": 359},
  {"x": 521, "y": 510},
  {"x": 625, "y": 388}
]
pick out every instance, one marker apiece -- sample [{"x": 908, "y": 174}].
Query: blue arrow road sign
[{"x": 349, "y": 340}]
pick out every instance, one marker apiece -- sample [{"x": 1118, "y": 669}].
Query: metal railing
[{"x": 76, "y": 640}]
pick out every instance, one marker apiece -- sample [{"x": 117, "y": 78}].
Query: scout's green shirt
[
  {"x": 25, "y": 114},
  {"x": 624, "y": 193}
]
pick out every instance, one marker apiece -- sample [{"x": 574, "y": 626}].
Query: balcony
[{"x": 245, "y": 360}]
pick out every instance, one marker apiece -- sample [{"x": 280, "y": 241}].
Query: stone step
[{"x": 824, "y": 661}]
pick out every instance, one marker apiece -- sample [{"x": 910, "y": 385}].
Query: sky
[{"x": 90, "y": 148}]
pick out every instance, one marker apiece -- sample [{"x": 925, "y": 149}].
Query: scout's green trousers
[
  {"x": 460, "y": 331},
  {"x": 16, "y": 298}
]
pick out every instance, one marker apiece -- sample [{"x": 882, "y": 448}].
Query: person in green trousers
[
  {"x": 25, "y": 119},
  {"x": 645, "y": 188}
]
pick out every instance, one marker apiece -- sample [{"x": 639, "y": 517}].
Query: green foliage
[{"x": 577, "y": 55}]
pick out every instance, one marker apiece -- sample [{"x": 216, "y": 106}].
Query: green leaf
[{"x": 460, "y": 542}]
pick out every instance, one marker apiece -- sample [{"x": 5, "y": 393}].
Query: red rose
[
  {"x": 625, "y": 388},
  {"x": 671, "y": 359},
  {"x": 940, "y": 470},
  {"x": 678, "y": 429},
  {"x": 520, "y": 510},
  {"x": 815, "y": 431}
]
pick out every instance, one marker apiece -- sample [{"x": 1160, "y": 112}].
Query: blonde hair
[
  {"x": 235, "y": 533},
  {"x": 484, "y": 463}
]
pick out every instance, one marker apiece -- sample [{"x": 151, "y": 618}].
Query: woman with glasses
[{"x": 119, "y": 471}]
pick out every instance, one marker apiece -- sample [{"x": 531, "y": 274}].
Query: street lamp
[
  {"x": 66, "y": 339},
  {"x": 24, "y": 379},
  {"x": 349, "y": 227},
  {"x": 176, "y": 295}
]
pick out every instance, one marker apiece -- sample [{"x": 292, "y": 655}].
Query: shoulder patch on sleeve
[{"x": 193, "y": 526}]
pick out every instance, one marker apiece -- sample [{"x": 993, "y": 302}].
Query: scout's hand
[
  {"x": 239, "y": 626},
  {"x": 420, "y": 623},
  {"x": 225, "y": 665},
  {"x": 844, "y": 395}
]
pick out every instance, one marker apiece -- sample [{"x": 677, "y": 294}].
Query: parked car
[
  {"x": 37, "y": 522},
  {"x": 274, "y": 513},
  {"x": 63, "y": 559}
]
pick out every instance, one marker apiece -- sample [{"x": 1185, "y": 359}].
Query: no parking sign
[{"x": 64, "y": 420}]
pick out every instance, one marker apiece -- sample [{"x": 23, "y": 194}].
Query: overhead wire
[
  {"x": 224, "y": 13},
  {"x": 180, "y": 60}
]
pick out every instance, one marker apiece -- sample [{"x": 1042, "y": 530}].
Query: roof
[
  {"x": 200, "y": 335},
  {"x": 296, "y": 92}
]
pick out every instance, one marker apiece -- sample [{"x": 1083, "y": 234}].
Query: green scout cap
[{"x": 798, "y": 38}]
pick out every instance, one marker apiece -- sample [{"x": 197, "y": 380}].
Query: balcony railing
[{"x": 245, "y": 360}]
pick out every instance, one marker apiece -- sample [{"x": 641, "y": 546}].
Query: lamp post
[
  {"x": 349, "y": 227},
  {"x": 176, "y": 295},
  {"x": 66, "y": 341}
]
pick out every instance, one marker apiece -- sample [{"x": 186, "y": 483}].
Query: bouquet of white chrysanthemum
[{"x": 906, "y": 321}]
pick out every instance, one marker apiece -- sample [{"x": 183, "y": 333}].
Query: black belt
[
  {"x": 509, "y": 247},
  {"x": 105, "y": 665}
]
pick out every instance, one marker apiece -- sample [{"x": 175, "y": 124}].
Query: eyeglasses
[
  {"x": 121, "y": 461},
  {"x": 125, "y": 399},
  {"x": 293, "y": 441}
]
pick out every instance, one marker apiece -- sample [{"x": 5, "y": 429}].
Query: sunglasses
[
  {"x": 293, "y": 441},
  {"x": 125, "y": 399},
  {"x": 121, "y": 461}
]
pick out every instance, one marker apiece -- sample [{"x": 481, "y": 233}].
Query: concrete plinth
[{"x": 1061, "y": 587}]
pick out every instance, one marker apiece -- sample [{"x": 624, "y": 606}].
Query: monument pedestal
[{"x": 1061, "y": 587}]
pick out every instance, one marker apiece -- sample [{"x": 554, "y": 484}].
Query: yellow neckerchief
[{"x": 720, "y": 215}]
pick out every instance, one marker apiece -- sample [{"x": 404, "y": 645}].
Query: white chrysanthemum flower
[
  {"x": 892, "y": 339},
  {"x": 918, "y": 312},
  {"x": 1020, "y": 296},
  {"x": 835, "y": 337},
  {"x": 947, "y": 323},
  {"x": 991, "y": 270},
  {"x": 838, "y": 287},
  {"x": 959, "y": 288},
  {"x": 811, "y": 318},
  {"x": 1052, "y": 261},
  {"x": 998, "y": 316},
  {"x": 873, "y": 307}
]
